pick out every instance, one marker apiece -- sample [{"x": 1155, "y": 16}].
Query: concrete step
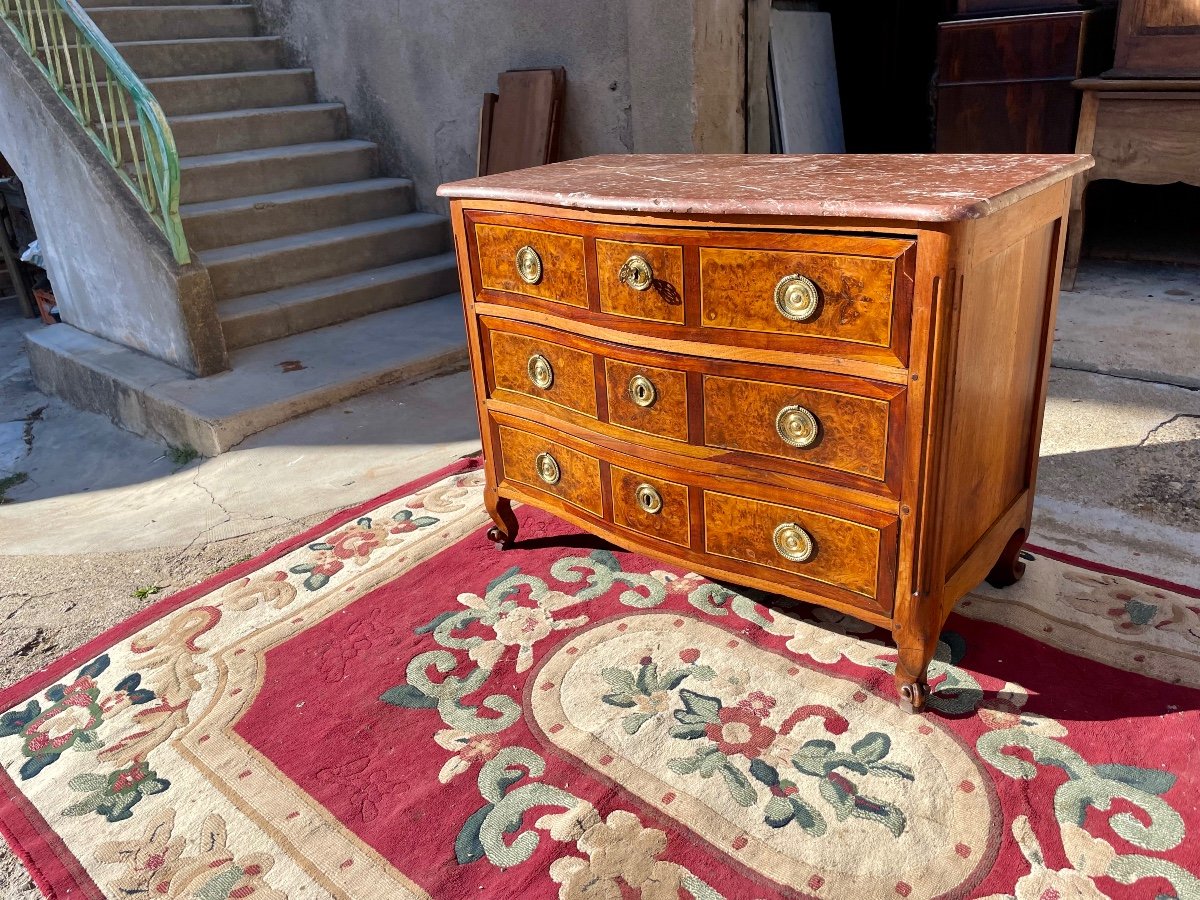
[
  {"x": 284, "y": 261},
  {"x": 188, "y": 95},
  {"x": 267, "y": 384},
  {"x": 162, "y": 23},
  {"x": 229, "y": 131},
  {"x": 242, "y": 220},
  {"x": 96, "y": 4},
  {"x": 251, "y": 172},
  {"x": 202, "y": 56},
  {"x": 268, "y": 316}
]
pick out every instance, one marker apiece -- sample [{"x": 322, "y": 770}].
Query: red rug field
[{"x": 388, "y": 707}]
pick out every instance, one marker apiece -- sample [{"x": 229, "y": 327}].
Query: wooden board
[{"x": 519, "y": 128}]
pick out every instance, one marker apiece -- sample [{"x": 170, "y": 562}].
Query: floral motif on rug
[{"x": 388, "y": 707}]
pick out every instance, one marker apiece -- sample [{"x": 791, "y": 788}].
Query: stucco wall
[
  {"x": 413, "y": 75},
  {"x": 112, "y": 269}
]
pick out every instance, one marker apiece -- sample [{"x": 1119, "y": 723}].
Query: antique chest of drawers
[{"x": 821, "y": 376}]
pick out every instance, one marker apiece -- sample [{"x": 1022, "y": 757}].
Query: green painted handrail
[{"x": 100, "y": 88}]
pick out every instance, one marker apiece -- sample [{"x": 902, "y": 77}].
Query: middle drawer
[{"x": 812, "y": 424}]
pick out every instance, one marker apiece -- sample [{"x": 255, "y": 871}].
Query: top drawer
[{"x": 829, "y": 295}]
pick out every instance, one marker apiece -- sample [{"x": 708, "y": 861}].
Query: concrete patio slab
[
  {"x": 266, "y": 384},
  {"x": 1135, "y": 320}
]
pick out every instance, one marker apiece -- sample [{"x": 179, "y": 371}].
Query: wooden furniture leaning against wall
[
  {"x": 817, "y": 376},
  {"x": 1145, "y": 131}
]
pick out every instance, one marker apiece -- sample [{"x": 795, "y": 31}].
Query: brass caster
[
  {"x": 914, "y": 695},
  {"x": 501, "y": 542}
]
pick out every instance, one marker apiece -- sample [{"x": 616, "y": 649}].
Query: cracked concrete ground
[{"x": 104, "y": 515}]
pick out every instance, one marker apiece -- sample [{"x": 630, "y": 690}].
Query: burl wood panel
[
  {"x": 740, "y": 415},
  {"x": 563, "y": 272},
  {"x": 1002, "y": 316},
  {"x": 847, "y": 554},
  {"x": 668, "y": 417},
  {"x": 574, "y": 383},
  {"x": 737, "y": 290},
  {"x": 579, "y": 483},
  {"x": 661, "y": 302},
  {"x": 672, "y": 523}
]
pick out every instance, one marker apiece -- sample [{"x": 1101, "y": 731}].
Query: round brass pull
[
  {"x": 547, "y": 468},
  {"x": 637, "y": 273},
  {"x": 642, "y": 391},
  {"x": 793, "y": 542},
  {"x": 541, "y": 373},
  {"x": 796, "y": 298},
  {"x": 649, "y": 499},
  {"x": 529, "y": 265},
  {"x": 797, "y": 427}
]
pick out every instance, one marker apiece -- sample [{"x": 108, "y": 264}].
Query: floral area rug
[{"x": 388, "y": 707}]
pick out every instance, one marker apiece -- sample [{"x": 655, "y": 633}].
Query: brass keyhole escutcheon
[
  {"x": 547, "y": 468},
  {"x": 793, "y": 542},
  {"x": 541, "y": 373},
  {"x": 797, "y": 427},
  {"x": 637, "y": 273},
  {"x": 529, "y": 265},
  {"x": 797, "y": 298},
  {"x": 649, "y": 499},
  {"x": 642, "y": 391}
]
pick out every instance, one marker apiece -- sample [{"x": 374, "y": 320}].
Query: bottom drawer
[
  {"x": 794, "y": 541},
  {"x": 551, "y": 468}
]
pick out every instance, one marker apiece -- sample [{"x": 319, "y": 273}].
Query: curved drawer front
[
  {"x": 544, "y": 370},
  {"x": 550, "y": 468},
  {"x": 833, "y": 429},
  {"x": 651, "y": 506},
  {"x": 644, "y": 281},
  {"x": 541, "y": 264},
  {"x": 840, "y": 552},
  {"x": 844, "y": 298},
  {"x": 649, "y": 399},
  {"x": 841, "y": 296}
]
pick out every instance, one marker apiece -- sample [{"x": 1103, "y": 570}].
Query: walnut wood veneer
[{"x": 819, "y": 376}]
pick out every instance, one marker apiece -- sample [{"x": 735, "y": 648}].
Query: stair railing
[{"x": 100, "y": 90}]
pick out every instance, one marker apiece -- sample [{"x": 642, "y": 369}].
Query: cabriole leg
[
  {"x": 911, "y": 669},
  {"x": 1009, "y": 567},
  {"x": 504, "y": 532}
]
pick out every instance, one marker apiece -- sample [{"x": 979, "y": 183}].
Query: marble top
[{"x": 925, "y": 188}]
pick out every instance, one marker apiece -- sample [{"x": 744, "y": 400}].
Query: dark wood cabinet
[
  {"x": 1004, "y": 84},
  {"x": 971, "y": 8},
  {"x": 1158, "y": 39}
]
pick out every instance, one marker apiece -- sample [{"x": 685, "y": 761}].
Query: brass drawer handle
[
  {"x": 649, "y": 499},
  {"x": 637, "y": 273},
  {"x": 529, "y": 265},
  {"x": 642, "y": 391},
  {"x": 797, "y": 298},
  {"x": 793, "y": 542},
  {"x": 541, "y": 373},
  {"x": 547, "y": 468},
  {"x": 797, "y": 427}
]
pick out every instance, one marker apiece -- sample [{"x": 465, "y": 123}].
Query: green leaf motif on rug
[{"x": 114, "y": 796}]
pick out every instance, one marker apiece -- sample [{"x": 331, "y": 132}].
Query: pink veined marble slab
[{"x": 924, "y": 188}]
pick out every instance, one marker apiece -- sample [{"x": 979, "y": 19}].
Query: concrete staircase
[{"x": 289, "y": 215}]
